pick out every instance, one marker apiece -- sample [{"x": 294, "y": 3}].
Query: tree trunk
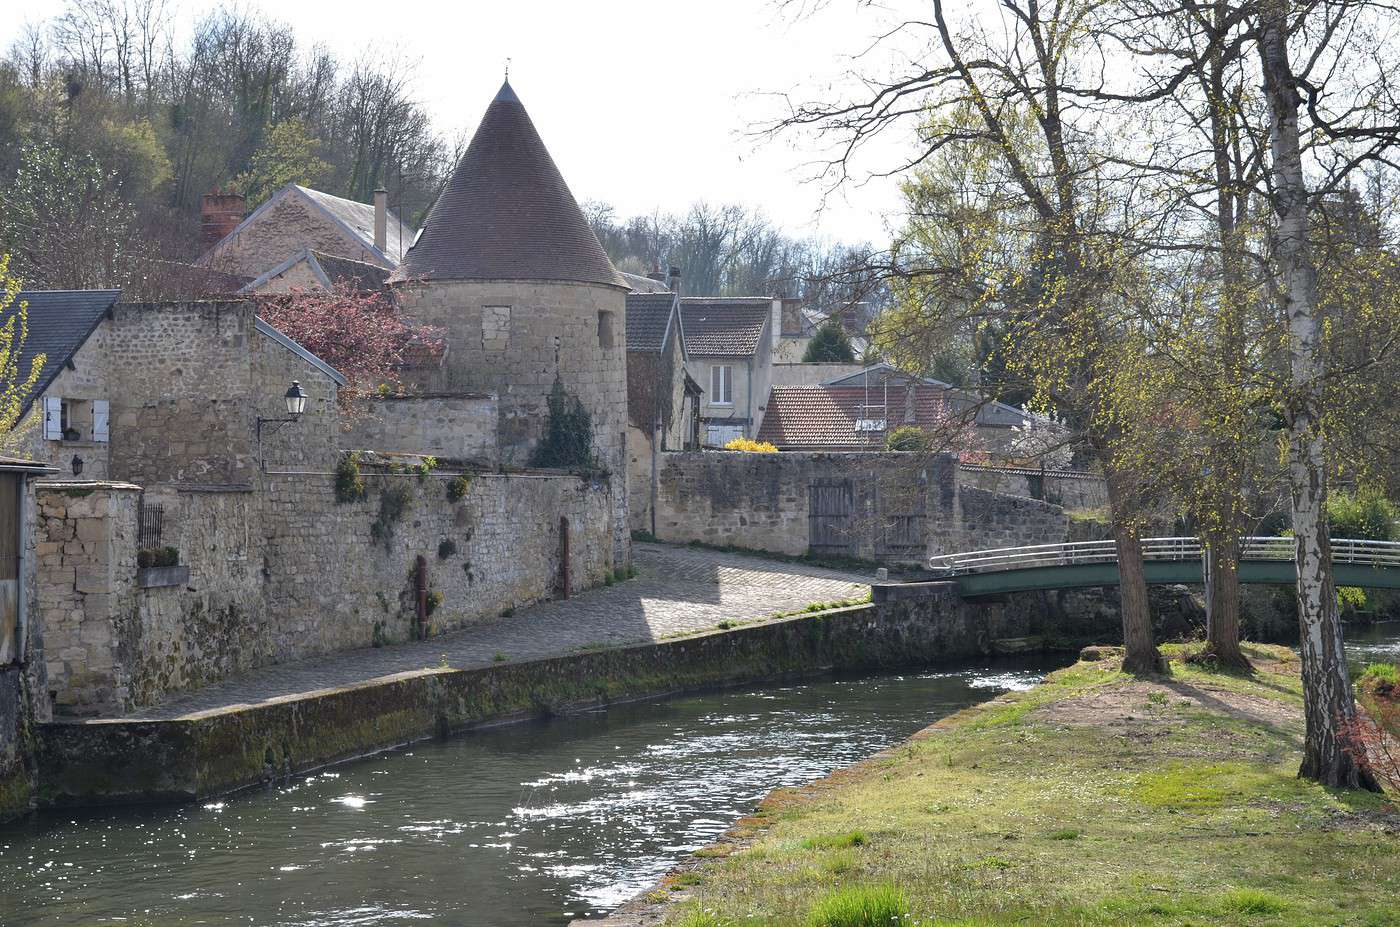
[
  {"x": 1327, "y": 698},
  {"x": 1223, "y": 602},
  {"x": 1140, "y": 654}
]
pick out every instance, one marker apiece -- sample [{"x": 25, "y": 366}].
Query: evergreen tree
[{"x": 830, "y": 345}]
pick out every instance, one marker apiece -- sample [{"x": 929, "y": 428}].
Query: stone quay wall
[
  {"x": 448, "y": 426},
  {"x": 901, "y": 508},
  {"x": 289, "y": 572},
  {"x": 193, "y": 758}
]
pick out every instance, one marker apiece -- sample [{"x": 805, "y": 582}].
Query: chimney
[
  {"x": 656, "y": 274},
  {"x": 673, "y": 283},
  {"x": 219, "y": 214},
  {"x": 381, "y": 219}
]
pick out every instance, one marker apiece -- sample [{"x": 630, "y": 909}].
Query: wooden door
[
  {"x": 829, "y": 518},
  {"x": 9, "y": 568}
]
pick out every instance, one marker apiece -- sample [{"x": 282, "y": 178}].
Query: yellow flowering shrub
[{"x": 753, "y": 447}]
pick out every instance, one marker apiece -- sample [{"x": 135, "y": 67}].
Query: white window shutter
[
  {"x": 53, "y": 418},
  {"x": 99, "y": 420}
]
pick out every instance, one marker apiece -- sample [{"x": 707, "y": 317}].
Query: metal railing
[{"x": 1344, "y": 550}]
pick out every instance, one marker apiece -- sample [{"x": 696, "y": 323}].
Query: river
[{"x": 525, "y": 824}]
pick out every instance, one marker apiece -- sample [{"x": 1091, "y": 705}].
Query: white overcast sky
[{"x": 643, "y": 103}]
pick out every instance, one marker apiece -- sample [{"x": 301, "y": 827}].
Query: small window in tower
[
  {"x": 495, "y": 328},
  {"x": 605, "y": 329}
]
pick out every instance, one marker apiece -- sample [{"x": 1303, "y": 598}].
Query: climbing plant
[{"x": 568, "y": 438}]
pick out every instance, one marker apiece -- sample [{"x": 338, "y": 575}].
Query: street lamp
[{"x": 295, "y": 398}]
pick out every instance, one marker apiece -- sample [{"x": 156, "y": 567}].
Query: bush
[
  {"x": 830, "y": 345},
  {"x": 568, "y": 439},
  {"x": 752, "y": 447},
  {"x": 1351, "y": 598},
  {"x": 906, "y": 438},
  {"x": 167, "y": 557},
  {"x": 349, "y": 484},
  {"x": 860, "y": 906},
  {"x": 434, "y": 600},
  {"x": 145, "y": 559},
  {"x": 457, "y": 487},
  {"x": 1364, "y": 515}
]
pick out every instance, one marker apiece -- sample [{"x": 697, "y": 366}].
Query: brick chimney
[
  {"x": 219, "y": 214},
  {"x": 381, "y": 219}
]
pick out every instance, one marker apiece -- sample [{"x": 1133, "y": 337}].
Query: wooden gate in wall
[
  {"x": 829, "y": 517},
  {"x": 9, "y": 567}
]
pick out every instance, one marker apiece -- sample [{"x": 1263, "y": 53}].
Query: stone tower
[{"x": 509, "y": 268}]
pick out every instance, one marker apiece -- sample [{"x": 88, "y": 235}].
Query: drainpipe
[
  {"x": 655, "y": 439},
  {"x": 748, "y": 365},
  {"x": 420, "y": 593}
]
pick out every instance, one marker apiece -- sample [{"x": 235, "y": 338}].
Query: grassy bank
[{"x": 1093, "y": 799}]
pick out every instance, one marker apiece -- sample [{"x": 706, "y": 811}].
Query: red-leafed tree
[{"x": 358, "y": 332}]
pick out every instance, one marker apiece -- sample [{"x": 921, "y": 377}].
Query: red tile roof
[{"x": 824, "y": 417}]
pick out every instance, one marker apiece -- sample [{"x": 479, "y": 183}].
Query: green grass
[
  {"x": 860, "y": 906},
  {"x": 1175, "y": 814},
  {"x": 1387, "y": 673}
]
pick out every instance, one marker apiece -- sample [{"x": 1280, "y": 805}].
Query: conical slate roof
[{"x": 507, "y": 214}]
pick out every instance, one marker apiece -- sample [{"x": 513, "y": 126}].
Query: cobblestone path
[{"x": 676, "y": 590}]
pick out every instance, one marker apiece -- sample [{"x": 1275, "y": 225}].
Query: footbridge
[{"x": 1373, "y": 564}]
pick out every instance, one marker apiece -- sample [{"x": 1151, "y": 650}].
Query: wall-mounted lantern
[
  {"x": 77, "y": 465},
  {"x": 295, "y": 398}
]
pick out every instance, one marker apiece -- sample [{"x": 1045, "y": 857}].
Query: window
[
  {"x": 75, "y": 419},
  {"x": 722, "y": 385},
  {"x": 495, "y": 328},
  {"x": 605, "y": 329}
]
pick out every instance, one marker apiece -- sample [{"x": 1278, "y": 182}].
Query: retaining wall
[{"x": 208, "y": 753}]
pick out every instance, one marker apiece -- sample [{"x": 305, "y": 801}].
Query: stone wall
[
  {"x": 900, "y": 508},
  {"x": 289, "y": 572},
  {"x": 85, "y": 566},
  {"x": 1068, "y": 488},
  {"x": 513, "y": 339},
  {"x": 458, "y": 426},
  {"x": 87, "y": 380}
]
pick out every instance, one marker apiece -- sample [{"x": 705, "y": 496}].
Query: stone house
[
  {"x": 857, "y": 412},
  {"x": 308, "y": 269},
  {"x": 730, "y": 354},
  {"x": 293, "y": 220},
  {"x": 663, "y": 400},
  {"x": 166, "y": 392},
  {"x": 508, "y": 267}
]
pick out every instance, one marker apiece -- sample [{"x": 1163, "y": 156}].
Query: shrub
[
  {"x": 907, "y": 438},
  {"x": 446, "y": 548},
  {"x": 434, "y": 600},
  {"x": 349, "y": 484},
  {"x": 860, "y": 906},
  {"x": 457, "y": 487},
  {"x": 145, "y": 559},
  {"x": 752, "y": 447},
  {"x": 167, "y": 557},
  {"x": 1365, "y": 514},
  {"x": 830, "y": 345},
  {"x": 568, "y": 439},
  {"x": 1351, "y": 598}
]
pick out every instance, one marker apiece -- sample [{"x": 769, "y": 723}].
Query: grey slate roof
[
  {"x": 60, "y": 321},
  {"x": 648, "y": 316},
  {"x": 359, "y": 218},
  {"x": 729, "y": 327},
  {"x": 506, "y": 213},
  {"x": 640, "y": 284}
]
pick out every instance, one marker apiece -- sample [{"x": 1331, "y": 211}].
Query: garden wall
[
  {"x": 1068, "y": 488},
  {"x": 892, "y": 507},
  {"x": 288, "y": 572}
]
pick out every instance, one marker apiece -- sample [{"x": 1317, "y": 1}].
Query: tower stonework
[{"x": 508, "y": 267}]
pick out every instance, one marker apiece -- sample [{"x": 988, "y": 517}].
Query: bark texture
[
  {"x": 1327, "y": 698},
  {"x": 1140, "y": 653}
]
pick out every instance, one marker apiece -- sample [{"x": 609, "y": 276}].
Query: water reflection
[{"x": 522, "y": 825}]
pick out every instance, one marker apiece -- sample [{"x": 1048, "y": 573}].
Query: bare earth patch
[{"x": 1135, "y": 704}]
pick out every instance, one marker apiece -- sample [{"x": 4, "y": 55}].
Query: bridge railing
[{"x": 1344, "y": 550}]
